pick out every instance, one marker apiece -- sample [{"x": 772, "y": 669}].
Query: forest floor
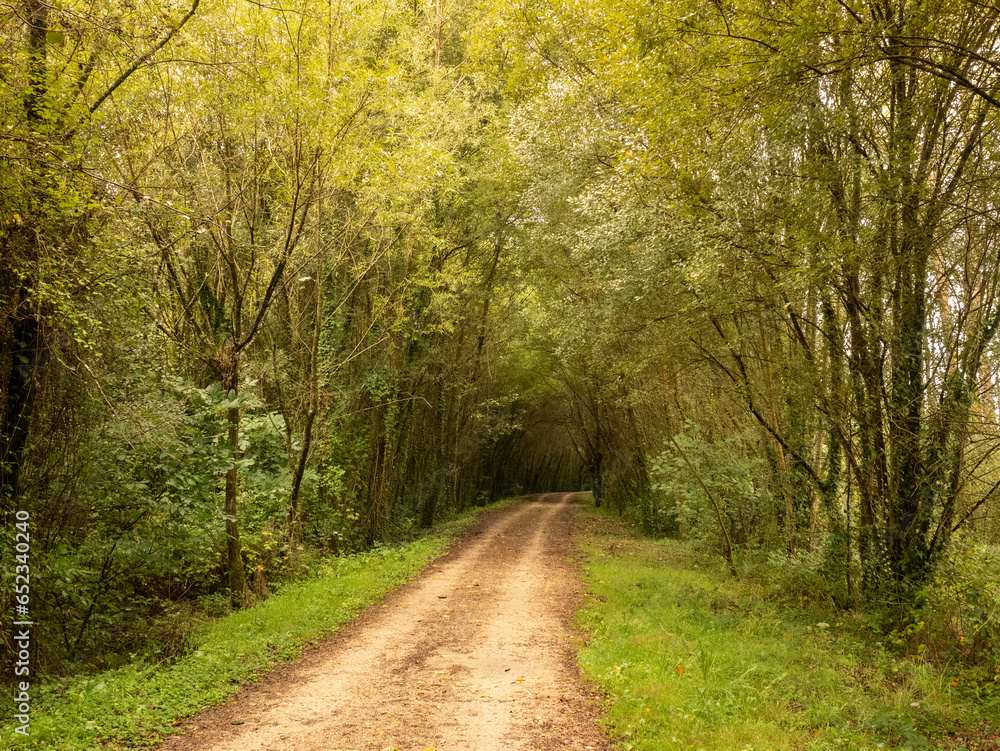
[{"x": 476, "y": 653}]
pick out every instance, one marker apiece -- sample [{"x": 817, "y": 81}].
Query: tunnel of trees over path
[{"x": 286, "y": 281}]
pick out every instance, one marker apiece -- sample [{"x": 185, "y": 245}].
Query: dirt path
[{"x": 475, "y": 654}]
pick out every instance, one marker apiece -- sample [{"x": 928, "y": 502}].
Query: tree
[
  {"x": 62, "y": 68},
  {"x": 893, "y": 144},
  {"x": 845, "y": 194}
]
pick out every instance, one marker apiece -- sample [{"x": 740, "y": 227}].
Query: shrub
[
  {"x": 680, "y": 505},
  {"x": 957, "y": 615},
  {"x": 796, "y": 576}
]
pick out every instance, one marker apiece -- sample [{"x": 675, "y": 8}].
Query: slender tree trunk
[
  {"x": 294, "y": 530},
  {"x": 229, "y": 362}
]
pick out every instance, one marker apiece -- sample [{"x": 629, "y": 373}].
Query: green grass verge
[
  {"x": 692, "y": 659},
  {"x": 137, "y": 705}
]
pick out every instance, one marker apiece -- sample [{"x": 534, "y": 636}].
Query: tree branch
[{"x": 144, "y": 57}]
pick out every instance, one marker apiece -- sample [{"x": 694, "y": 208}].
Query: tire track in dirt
[{"x": 477, "y": 653}]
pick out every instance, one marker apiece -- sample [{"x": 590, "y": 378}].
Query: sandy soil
[{"x": 477, "y": 653}]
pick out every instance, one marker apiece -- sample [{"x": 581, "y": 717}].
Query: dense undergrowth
[
  {"x": 691, "y": 658},
  {"x": 137, "y": 704}
]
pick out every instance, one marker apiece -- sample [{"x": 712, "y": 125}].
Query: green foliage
[
  {"x": 956, "y": 619},
  {"x": 797, "y": 577},
  {"x": 729, "y": 471},
  {"x": 295, "y": 203},
  {"x": 436, "y": 253},
  {"x": 137, "y": 705},
  {"x": 693, "y": 659},
  {"x": 335, "y": 524},
  {"x": 710, "y": 197},
  {"x": 146, "y": 527}
]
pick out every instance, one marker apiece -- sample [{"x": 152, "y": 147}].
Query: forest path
[{"x": 477, "y": 653}]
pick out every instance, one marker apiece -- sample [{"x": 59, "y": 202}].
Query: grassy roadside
[
  {"x": 137, "y": 705},
  {"x": 691, "y": 659}
]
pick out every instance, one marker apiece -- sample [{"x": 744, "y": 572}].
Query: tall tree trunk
[
  {"x": 229, "y": 365},
  {"x": 21, "y": 361}
]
